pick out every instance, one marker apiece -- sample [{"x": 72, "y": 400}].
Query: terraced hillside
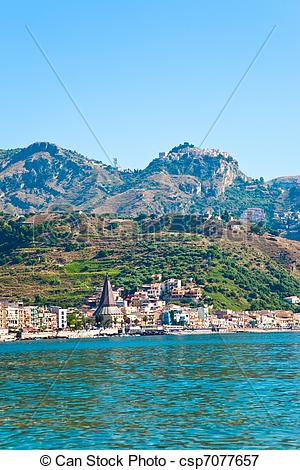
[{"x": 59, "y": 259}]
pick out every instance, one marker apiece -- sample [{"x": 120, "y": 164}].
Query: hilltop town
[{"x": 186, "y": 179}]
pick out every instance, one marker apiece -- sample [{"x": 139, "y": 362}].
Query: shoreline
[{"x": 94, "y": 334}]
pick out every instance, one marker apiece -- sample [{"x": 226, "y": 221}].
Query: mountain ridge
[{"x": 45, "y": 176}]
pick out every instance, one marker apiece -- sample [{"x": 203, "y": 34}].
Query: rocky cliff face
[
  {"x": 213, "y": 170},
  {"x": 185, "y": 178}
]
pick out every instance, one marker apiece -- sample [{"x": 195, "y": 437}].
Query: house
[
  {"x": 253, "y": 214},
  {"x": 194, "y": 293},
  {"x": 173, "y": 315},
  {"x": 48, "y": 321},
  {"x": 234, "y": 226},
  {"x": 3, "y": 317},
  {"x": 203, "y": 314},
  {"x": 153, "y": 290},
  {"x": 33, "y": 312},
  {"x": 178, "y": 292},
  {"x": 195, "y": 319},
  {"x": 293, "y": 299},
  {"x": 16, "y": 315},
  {"x": 266, "y": 320},
  {"x": 170, "y": 284},
  {"x": 61, "y": 314},
  {"x": 284, "y": 319}
]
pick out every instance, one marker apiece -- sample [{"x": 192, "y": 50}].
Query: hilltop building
[
  {"x": 253, "y": 214},
  {"x": 293, "y": 299}
]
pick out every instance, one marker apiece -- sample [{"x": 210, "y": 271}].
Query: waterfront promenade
[{"x": 89, "y": 334}]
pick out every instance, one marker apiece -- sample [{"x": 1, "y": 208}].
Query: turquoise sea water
[{"x": 169, "y": 392}]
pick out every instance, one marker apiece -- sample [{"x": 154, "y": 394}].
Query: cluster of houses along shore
[{"x": 160, "y": 304}]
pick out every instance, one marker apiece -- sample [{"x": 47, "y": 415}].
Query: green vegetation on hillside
[{"x": 71, "y": 254}]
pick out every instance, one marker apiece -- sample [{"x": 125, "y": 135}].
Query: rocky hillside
[
  {"x": 289, "y": 187},
  {"x": 44, "y": 175},
  {"x": 187, "y": 179},
  {"x": 184, "y": 179}
]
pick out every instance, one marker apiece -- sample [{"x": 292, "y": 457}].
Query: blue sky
[{"x": 148, "y": 75}]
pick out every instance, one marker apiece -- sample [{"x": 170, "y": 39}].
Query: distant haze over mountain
[{"x": 186, "y": 179}]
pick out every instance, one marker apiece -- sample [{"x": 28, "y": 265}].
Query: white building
[
  {"x": 13, "y": 316},
  {"x": 153, "y": 290},
  {"x": 61, "y": 313},
  {"x": 203, "y": 313},
  {"x": 170, "y": 284},
  {"x": 253, "y": 214},
  {"x": 293, "y": 299}
]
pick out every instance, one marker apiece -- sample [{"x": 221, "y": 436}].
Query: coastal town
[{"x": 160, "y": 307}]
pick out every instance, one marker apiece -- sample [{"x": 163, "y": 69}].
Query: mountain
[
  {"x": 286, "y": 182},
  {"x": 187, "y": 179},
  {"x": 58, "y": 258},
  {"x": 43, "y": 175},
  {"x": 289, "y": 187}
]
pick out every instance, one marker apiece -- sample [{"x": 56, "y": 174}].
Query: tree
[
  {"x": 75, "y": 320},
  {"x": 113, "y": 225},
  {"x": 107, "y": 322},
  {"x": 19, "y": 334},
  {"x": 274, "y": 231},
  {"x": 102, "y": 254},
  {"x": 259, "y": 228},
  {"x": 99, "y": 319},
  {"x": 140, "y": 217},
  {"x": 89, "y": 322},
  {"x": 38, "y": 299}
]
